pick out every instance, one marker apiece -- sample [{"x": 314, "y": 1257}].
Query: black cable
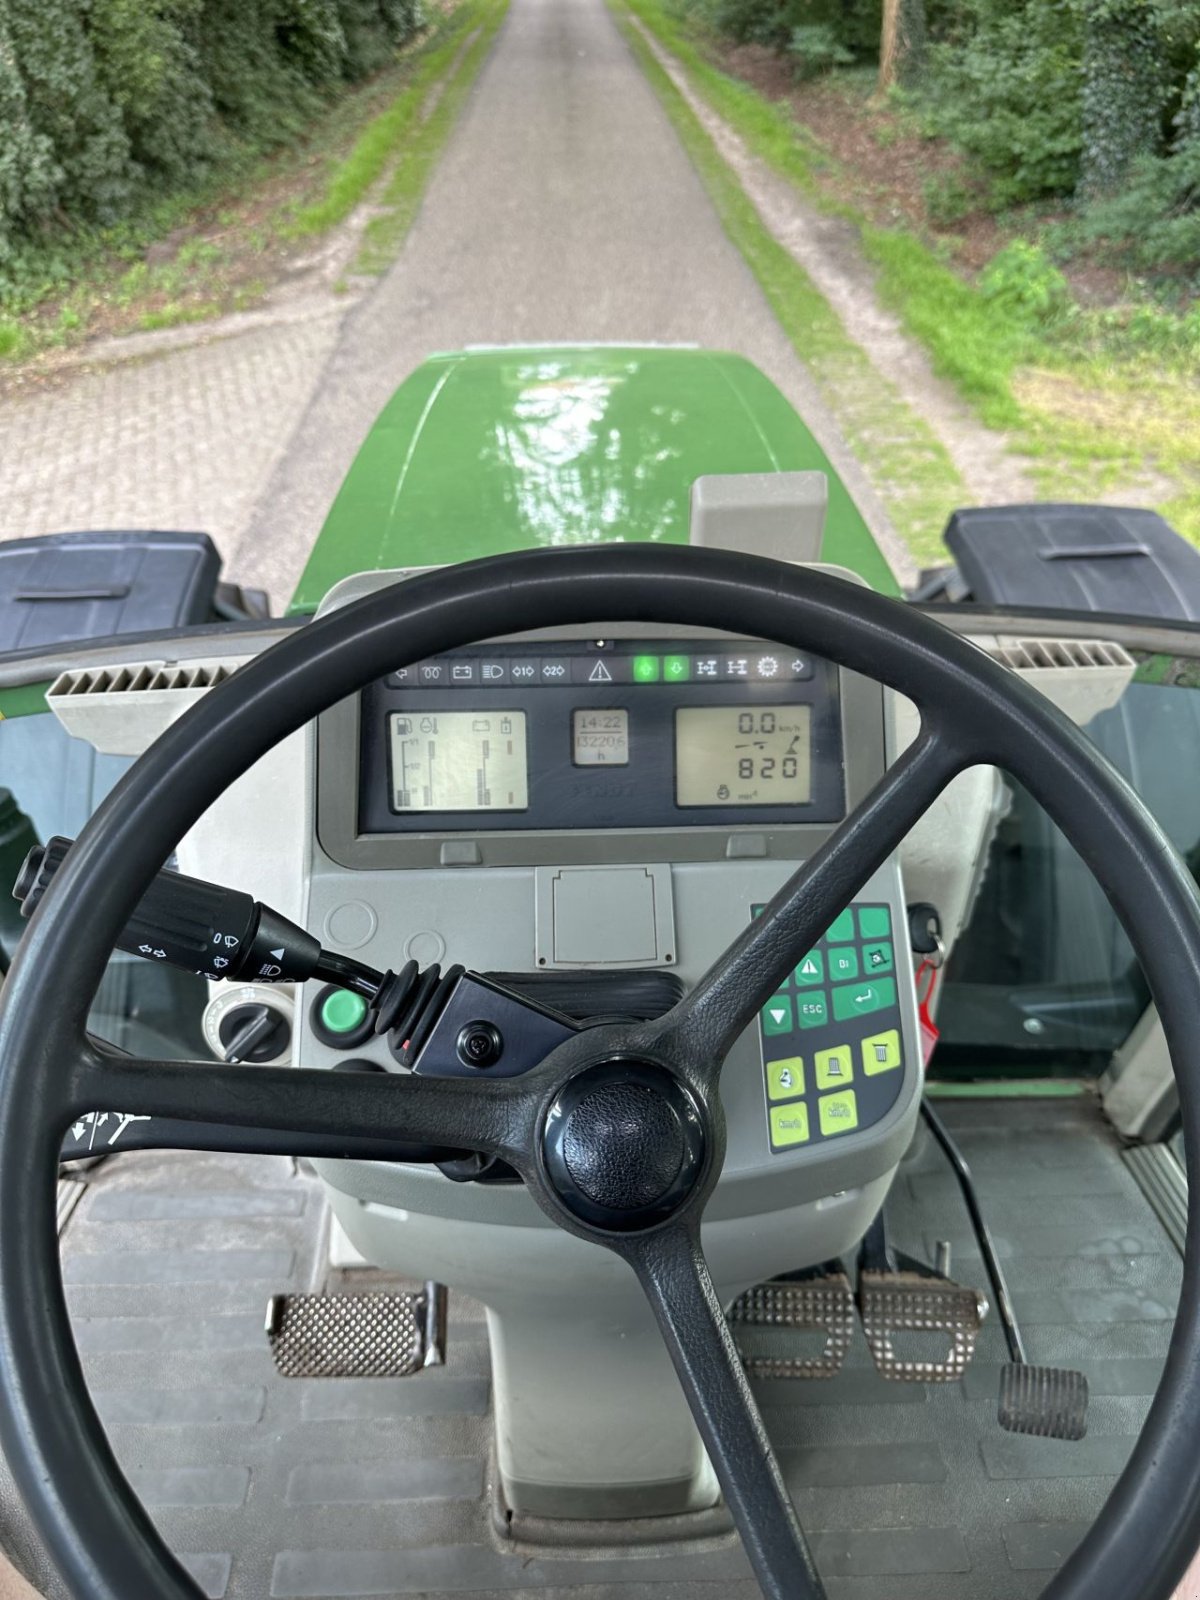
[{"x": 987, "y": 1248}]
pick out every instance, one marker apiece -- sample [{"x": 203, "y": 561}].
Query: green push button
[
  {"x": 877, "y": 958},
  {"x": 811, "y": 970},
  {"x": 777, "y": 1015},
  {"x": 789, "y": 1125},
  {"x": 843, "y": 964},
  {"x": 812, "y": 1010},
  {"x": 785, "y": 1079},
  {"x": 857, "y": 999},
  {"x": 676, "y": 669},
  {"x": 343, "y": 1012},
  {"x": 842, "y": 930},
  {"x": 838, "y": 1112},
  {"x": 645, "y": 669},
  {"x": 875, "y": 922}
]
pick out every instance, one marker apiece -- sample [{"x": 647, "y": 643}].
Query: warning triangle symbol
[
  {"x": 599, "y": 674},
  {"x": 809, "y": 969}
]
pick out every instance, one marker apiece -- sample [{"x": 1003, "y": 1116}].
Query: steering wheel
[{"x": 565, "y": 1125}]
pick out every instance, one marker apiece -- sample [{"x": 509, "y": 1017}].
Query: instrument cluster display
[
  {"x": 743, "y": 755},
  {"x": 459, "y": 761},
  {"x": 601, "y": 734}
]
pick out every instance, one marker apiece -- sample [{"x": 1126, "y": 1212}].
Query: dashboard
[{"x": 622, "y": 801}]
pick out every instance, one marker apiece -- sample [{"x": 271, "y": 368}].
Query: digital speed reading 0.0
[
  {"x": 742, "y": 756},
  {"x": 459, "y": 761}
]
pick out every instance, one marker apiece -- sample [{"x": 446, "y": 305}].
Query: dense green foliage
[
  {"x": 105, "y": 104},
  {"x": 1097, "y": 101}
]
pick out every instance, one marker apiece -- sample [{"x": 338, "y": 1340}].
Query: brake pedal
[
  {"x": 819, "y": 1304},
  {"x": 911, "y": 1302},
  {"x": 357, "y": 1335}
]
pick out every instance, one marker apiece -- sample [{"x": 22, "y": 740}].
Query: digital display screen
[
  {"x": 735, "y": 756},
  {"x": 600, "y": 738},
  {"x": 459, "y": 761}
]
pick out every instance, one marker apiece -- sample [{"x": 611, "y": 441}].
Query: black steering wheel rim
[{"x": 97, "y": 1533}]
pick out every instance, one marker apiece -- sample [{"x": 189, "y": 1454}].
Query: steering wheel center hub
[{"x": 623, "y": 1145}]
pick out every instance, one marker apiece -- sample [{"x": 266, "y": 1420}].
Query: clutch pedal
[
  {"x": 357, "y": 1335},
  {"x": 820, "y": 1304}
]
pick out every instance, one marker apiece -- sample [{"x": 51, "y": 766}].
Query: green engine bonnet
[{"x": 485, "y": 451}]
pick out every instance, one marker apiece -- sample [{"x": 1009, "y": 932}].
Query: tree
[
  {"x": 902, "y": 42},
  {"x": 1125, "y": 89}
]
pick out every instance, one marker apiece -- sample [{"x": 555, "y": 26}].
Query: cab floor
[{"x": 268, "y": 1487}]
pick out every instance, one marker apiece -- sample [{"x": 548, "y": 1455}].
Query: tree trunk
[
  {"x": 1124, "y": 90},
  {"x": 901, "y": 43}
]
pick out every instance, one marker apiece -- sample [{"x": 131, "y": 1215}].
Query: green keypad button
[
  {"x": 834, "y": 1067},
  {"x": 877, "y": 958},
  {"x": 858, "y": 999},
  {"x": 789, "y": 1125},
  {"x": 646, "y": 669},
  {"x": 812, "y": 1010},
  {"x": 843, "y": 964},
  {"x": 785, "y": 1079},
  {"x": 811, "y": 970},
  {"x": 676, "y": 669},
  {"x": 777, "y": 1015},
  {"x": 842, "y": 931},
  {"x": 875, "y": 922},
  {"x": 343, "y": 1012},
  {"x": 838, "y": 1112}
]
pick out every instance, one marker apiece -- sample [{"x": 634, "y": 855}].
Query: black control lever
[{"x": 205, "y": 928}]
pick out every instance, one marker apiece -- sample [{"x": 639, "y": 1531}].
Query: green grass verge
[
  {"x": 391, "y": 135},
  {"x": 1093, "y": 411},
  {"x": 461, "y": 55},
  {"x": 909, "y": 466}
]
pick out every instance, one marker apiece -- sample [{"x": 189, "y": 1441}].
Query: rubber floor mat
[{"x": 286, "y": 1488}]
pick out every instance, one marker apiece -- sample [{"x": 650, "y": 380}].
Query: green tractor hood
[{"x": 485, "y": 451}]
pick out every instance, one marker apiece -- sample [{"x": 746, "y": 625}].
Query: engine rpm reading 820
[
  {"x": 743, "y": 756},
  {"x": 459, "y": 761}
]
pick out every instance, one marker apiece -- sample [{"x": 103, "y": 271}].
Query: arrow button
[{"x": 777, "y": 1015}]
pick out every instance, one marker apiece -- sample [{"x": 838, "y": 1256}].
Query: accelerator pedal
[
  {"x": 357, "y": 1335},
  {"x": 804, "y": 1304},
  {"x": 1048, "y": 1402},
  {"x": 891, "y": 1303}
]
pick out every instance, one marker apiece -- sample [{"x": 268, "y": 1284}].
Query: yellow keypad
[
  {"x": 785, "y": 1079},
  {"x": 880, "y": 1053},
  {"x": 834, "y": 1067},
  {"x": 838, "y": 1112},
  {"x": 789, "y": 1125}
]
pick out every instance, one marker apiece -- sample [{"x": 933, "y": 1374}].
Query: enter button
[{"x": 857, "y": 999}]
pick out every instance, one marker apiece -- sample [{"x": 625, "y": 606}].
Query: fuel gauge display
[{"x": 459, "y": 761}]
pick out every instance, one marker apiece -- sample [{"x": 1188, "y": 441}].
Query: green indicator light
[
  {"x": 342, "y": 1012},
  {"x": 676, "y": 669},
  {"x": 645, "y": 669}
]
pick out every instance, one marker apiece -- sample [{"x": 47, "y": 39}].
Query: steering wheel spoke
[
  {"x": 728, "y": 996},
  {"x": 671, "y": 1268},
  {"x": 299, "y": 1111}
]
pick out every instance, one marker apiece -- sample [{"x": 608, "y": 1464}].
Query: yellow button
[
  {"x": 834, "y": 1067},
  {"x": 880, "y": 1053},
  {"x": 785, "y": 1079},
  {"x": 789, "y": 1125},
  {"x": 839, "y": 1112}
]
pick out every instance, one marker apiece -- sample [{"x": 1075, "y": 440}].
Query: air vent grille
[
  {"x": 147, "y": 678},
  {"x": 1037, "y": 654}
]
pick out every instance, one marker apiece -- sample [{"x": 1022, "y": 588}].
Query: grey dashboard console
[{"x": 625, "y": 800}]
